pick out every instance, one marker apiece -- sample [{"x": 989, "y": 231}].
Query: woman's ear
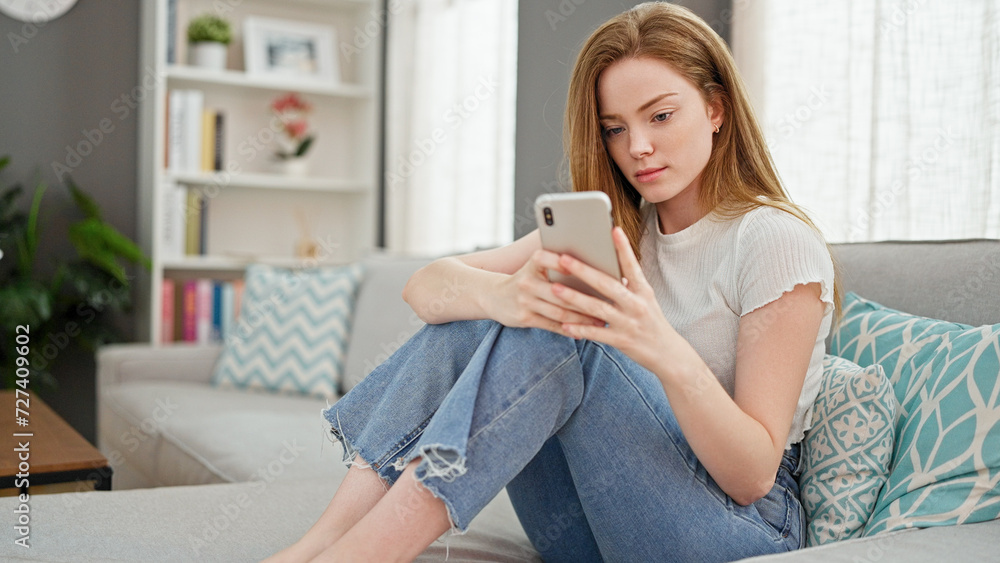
[{"x": 716, "y": 112}]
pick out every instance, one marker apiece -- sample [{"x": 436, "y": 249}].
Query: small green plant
[
  {"x": 73, "y": 302},
  {"x": 207, "y": 27}
]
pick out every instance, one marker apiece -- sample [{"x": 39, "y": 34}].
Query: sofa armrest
[{"x": 119, "y": 363}]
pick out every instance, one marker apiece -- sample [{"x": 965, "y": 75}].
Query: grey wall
[
  {"x": 56, "y": 87},
  {"x": 550, "y": 34}
]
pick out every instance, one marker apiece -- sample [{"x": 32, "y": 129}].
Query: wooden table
[{"x": 56, "y": 452}]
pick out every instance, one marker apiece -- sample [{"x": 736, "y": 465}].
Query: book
[
  {"x": 216, "y": 333},
  {"x": 203, "y": 311},
  {"x": 175, "y": 131},
  {"x": 207, "y": 140},
  {"x": 237, "y": 298},
  {"x": 203, "y": 225},
  {"x": 220, "y": 123},
  {"x": 227, "y": 315},
  {"x": 174, "y": 227},
  {"x": 167, "y": 311},
  {"x": 193, "y": 107},
  {"x": 192, "y": 222},
  {"x": 189, "y": 314},
  {"x": 185, "y": 130}
]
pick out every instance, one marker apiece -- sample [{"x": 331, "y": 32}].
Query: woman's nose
[{"x": 639, "y": 145}]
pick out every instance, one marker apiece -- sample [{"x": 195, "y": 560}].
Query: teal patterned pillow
[
  {"x": 292, "y": 331},
  {"x": 846, "y": 453},
  {"x": 946, "y": 378}
]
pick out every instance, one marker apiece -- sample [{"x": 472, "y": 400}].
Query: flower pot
[
  {"x": 297, "y": 167},
  {"x": 208, "y": 54}
]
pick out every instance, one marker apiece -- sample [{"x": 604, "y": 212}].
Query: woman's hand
[
  {"x": 526, "y": 298},
  {"x": 632, "y": 321}
]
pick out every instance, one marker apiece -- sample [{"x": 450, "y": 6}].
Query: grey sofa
[{"x": 226, "y": 475}]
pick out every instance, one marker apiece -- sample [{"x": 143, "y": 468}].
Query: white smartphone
[{"x": 578, "y": 224}]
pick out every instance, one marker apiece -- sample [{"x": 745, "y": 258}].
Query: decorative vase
[
  {"x": 298, "y": 167},
  {"x": 208, "y": 54}
]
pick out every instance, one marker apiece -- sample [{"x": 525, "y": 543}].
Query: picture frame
[{"x": 276, "y": 48}]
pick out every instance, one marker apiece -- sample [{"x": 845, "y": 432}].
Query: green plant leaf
[
  {"x": 102, "y": 245},
  {"x": 12, "y": 220},
  {"x": 28, "y": 242},
  {"x": 208, "y": 27},
  {"x": 304, "y": 145},
  {"x": 24, "y": 302},
  {"x": 83, "y": 201},
  {"x": 4, "y": 161},
  {"x": 8, "y": 198},
  {"x": 95, "y": 287}
]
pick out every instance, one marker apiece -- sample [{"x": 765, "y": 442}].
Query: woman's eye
[
  {"x": 612, "y": 131},
  {"x": 662, "y": 116}
]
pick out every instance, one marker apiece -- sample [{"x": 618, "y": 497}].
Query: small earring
[{"x": 716, "y": 127}]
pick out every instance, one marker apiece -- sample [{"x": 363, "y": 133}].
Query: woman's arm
[
  {"x": 507, "y": 284},
  {"x": 738, "y": 439}
]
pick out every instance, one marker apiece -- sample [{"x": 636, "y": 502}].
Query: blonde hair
[{"x": 739, "y": 176}]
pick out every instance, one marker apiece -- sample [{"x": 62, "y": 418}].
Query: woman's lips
[{"x": 649, "y": 174}]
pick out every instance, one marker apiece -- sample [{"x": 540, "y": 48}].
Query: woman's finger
[
  {"x": 598, "y": 309},
  {"x": 604, "y": 284},
  {"x": 561, "y": 314},
  {"x": 631, "y": 270}
]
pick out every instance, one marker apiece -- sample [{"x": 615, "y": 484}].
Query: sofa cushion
[
  {"x": 946, "y": 378},
  {"x": 292, "y": 331},
  {"x": 951, "y": 280},
  {"x": 178, "y": 433},
  {"x": 847, "y": 451},
  {"x": 383, "y": 321},
  {"x": 220, "y": 523}
]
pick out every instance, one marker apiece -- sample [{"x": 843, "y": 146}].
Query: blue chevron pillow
[
  {"x": 946, "y": 377},
  {"x": 292, "y": 331}
]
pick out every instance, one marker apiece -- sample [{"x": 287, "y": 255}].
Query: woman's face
[{"x": 657, "y": 128}]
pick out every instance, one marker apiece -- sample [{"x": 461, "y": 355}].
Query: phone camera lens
[{"x": 547, "y": 212}]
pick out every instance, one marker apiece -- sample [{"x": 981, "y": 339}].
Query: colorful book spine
[
  {"x": 167, "y": 312},
  {"x": 207, "y": 140},
  {"x": 203, "y": 314},
  {"x": 175, "y": 131},
  {"x": 190, "y": 311},
  {"x": 237, "y": 297},
  {"x": 220, "y": 126},
  {"x": 192, "y": 222},
  {"x": 174, "y": 227},
  {"x": 193, "y": 115},
  {"x": 216, "y": 335},
  {"x": 203, "y": 225},
  {"x": 227, "y": 315}
]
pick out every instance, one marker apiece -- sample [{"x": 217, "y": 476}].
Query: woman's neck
[{"x": 679, "y": 212}]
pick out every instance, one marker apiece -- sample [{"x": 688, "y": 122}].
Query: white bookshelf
[{"x": 256, "y": 215}]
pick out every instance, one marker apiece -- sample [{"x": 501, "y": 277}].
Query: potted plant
[
  {"x": 67, "y": 303},
  {"x": 208, "y": 39},
  {"x": 295, "y": 138}
]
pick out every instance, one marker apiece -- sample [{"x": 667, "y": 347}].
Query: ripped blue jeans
[{"x": 583, "y": 438}]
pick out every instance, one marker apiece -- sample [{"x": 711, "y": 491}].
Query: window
[{"x": 883, "y": 117}]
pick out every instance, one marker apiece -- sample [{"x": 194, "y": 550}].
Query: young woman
[{"x": 662, "y": 424}]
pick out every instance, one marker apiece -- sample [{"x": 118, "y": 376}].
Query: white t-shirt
[{"x": 712, "y": 273}]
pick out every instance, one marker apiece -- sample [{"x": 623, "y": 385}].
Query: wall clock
[{"x": 35, "y": 11}]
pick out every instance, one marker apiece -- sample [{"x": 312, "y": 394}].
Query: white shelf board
[
  {"x": 182, "y": 75},
  {"x": 237, "y": 263},
  {"x": 270, "y": 182},
  {"x": 336, "y": 3}
]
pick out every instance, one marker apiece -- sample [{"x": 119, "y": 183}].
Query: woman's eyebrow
[{"x": 643, "y": 107}]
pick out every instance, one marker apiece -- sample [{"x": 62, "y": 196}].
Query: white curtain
[
  {"x": 450, "y": 107},
  {"x": 883, "y": 116}
]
